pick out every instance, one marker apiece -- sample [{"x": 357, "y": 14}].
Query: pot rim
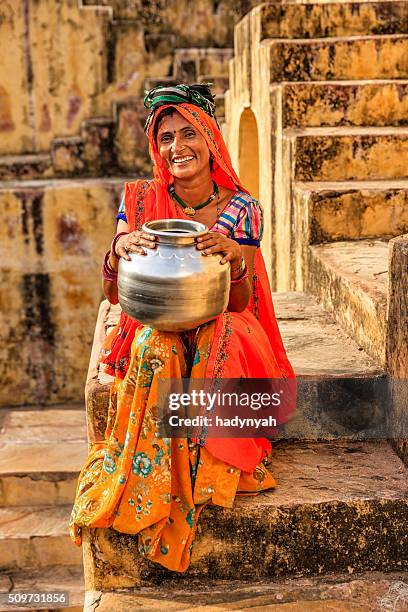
[{"x": 197, "y": 229}]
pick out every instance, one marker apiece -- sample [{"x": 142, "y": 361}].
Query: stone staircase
[{"x": 41, "y": 453}]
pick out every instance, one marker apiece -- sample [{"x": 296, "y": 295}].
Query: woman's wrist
[
  {"x": 237, "y": 267},
  {"x": 115, "y": 242},
  {"x": 113, "y": 261}
]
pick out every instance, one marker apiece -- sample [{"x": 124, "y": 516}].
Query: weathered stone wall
[{"x": 52, "y": 240}]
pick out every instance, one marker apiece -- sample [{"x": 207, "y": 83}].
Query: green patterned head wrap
[{"x": 198, "y": 94}]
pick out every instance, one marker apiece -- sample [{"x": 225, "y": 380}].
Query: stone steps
[
  {"x": 337, "y": 103},
  {"x": 338, "y": 507},
  {"x": 41, "y": 454},
  {"x": 340, "y": 593},
  {"x": 338, "y": 59},
  {"x": 350, "y": 280},
  {"x": 36, "y": 536},
  {"x": 347, "y": 153},
  {"x": 61, "y": 579},
  {"x": 348, "y": 210},
  {"x": 334, "y": 19}
]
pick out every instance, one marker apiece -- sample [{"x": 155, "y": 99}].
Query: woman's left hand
[{"x": 214, "y": 242}]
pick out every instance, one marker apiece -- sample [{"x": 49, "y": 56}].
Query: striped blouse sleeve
[
  {"x": 121, "y": 211},
  {"x": 248, "y": 227}
]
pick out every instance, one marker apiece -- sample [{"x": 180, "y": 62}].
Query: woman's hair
[{"x": 166, "y": 112}]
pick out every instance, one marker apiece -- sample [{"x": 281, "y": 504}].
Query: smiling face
[{"x": 182, "y": 147}]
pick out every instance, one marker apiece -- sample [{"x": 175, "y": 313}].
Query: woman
[{"x": 135, "y": 481}]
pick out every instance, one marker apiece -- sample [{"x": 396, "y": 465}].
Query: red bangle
[
  {"x": 242, "y": 277},
  {"x": 114, "y": 242},
  {"x": 108, "y": 273}
]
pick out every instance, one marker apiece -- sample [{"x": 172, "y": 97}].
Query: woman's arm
[{"x": 110, "y": 288}]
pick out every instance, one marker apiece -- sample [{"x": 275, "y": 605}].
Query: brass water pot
[{"x": 174, "y": 287}]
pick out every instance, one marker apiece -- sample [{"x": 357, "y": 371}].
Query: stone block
[
  {"x": 397, "y": 341},
  {"x": 336, "y": 19},
  {"x": 368, "y": 57},
  {"x": 68, "y": 579},
  {"x": 33, "y": 538},
  {"x": 131, "y": 144},
  {"x": 98, "y": 149},
  {"x": 190, "y": 63},
  {"x": 347, "y": 153},
  {"x": 364, "y": 103},
  {"x": 67, "y": 156},
  {"x": 327, "y": 212},
  {"x": 333, "y": 380},
  {"x": 350, "y": 280},
  {"x": 25, "y": 167},
  {"x": 339, "y": 593},
  {"x": 97, "y": 389},
  {"x": 41, "y": 455}
]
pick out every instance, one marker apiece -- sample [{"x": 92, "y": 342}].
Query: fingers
[
  {"x": 228, "y": 257},
  {"x": 121, "y": 252},
  {"x": 136, "y": 239},
  {"x": 134, "y": 243},
  {"x": 216, "y": 243}
]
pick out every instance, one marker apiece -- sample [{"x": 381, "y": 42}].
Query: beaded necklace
[{"x": 191, "y": 210}]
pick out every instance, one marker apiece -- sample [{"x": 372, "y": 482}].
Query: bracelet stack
[
  {"x": 243, "y": 273},
  {"x": 108, "y": 273},
  {"x": 243, "y": 276}
]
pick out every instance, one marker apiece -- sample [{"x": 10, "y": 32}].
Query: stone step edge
[
  {"x": 258, "y": 594},
  {"x": 332, "y": 39},
  {"x": 62, "y": 182},
  {"x": 351, "y": 186},
  {"x": 345, "y": 82},
  {"x": 345, "y": 130},
  {"x": 35, "y": 510}
]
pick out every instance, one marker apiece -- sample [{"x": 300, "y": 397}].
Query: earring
[{"x": 211, "y": 162}]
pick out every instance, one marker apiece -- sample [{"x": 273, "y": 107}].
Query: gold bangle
[{"x": 241, "y": 266}]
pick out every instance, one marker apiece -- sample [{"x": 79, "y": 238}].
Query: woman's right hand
[{"x": 134, "y": 243}]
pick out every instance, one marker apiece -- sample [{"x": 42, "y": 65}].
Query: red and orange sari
[{"x": 136, "y": 481}]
